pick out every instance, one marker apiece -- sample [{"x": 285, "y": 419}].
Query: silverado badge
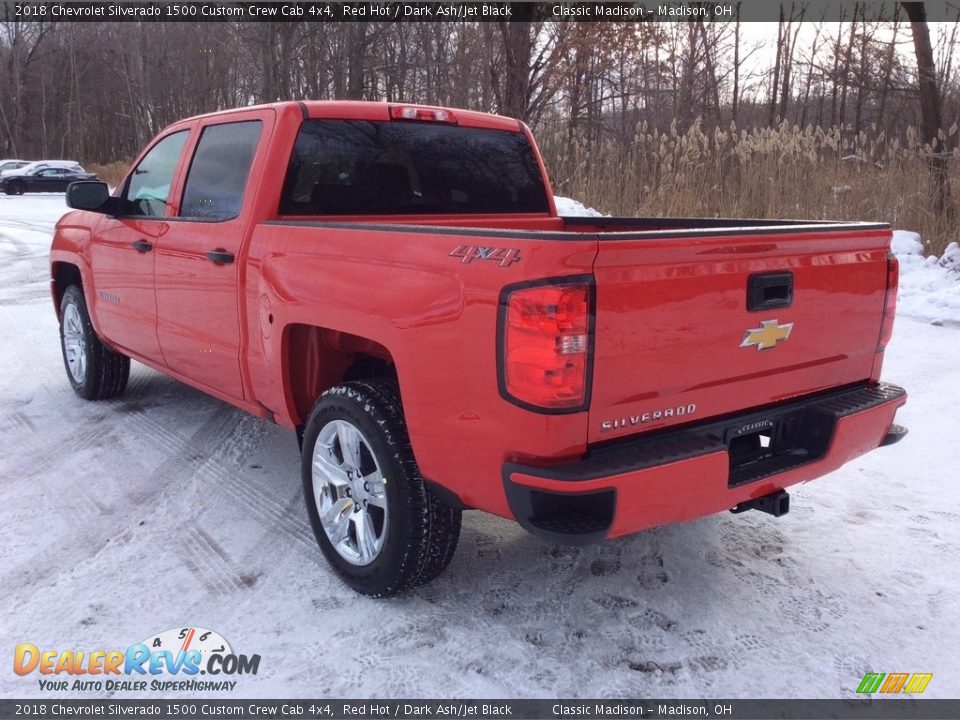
[{"x": 767, "y": 335}]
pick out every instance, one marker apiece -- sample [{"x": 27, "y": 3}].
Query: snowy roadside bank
[{"x": 929, "y": 286}]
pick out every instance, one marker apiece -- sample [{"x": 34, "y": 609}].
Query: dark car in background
[{"x": 50, "y": 176}]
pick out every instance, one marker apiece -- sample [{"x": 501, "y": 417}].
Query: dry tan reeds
[{"x": 781, "y": 172}]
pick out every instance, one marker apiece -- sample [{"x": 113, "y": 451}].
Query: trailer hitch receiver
[{"x": 776, "y": 504}]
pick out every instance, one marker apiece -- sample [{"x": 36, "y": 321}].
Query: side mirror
[{"x": 88, "y": 195}]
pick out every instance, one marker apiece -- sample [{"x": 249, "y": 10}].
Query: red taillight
[
  {"x": 546, "y": 339},
  {"x": 889, "y": 301},
  {"x": 411, "y": 112}
]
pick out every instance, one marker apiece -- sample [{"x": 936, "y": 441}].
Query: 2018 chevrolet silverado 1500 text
[{"x": 394, "y": 282}]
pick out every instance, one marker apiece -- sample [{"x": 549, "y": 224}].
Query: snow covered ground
[
  {"x": 568, "y": 207},
  {"x": 166, "y": 508},
  {"x": 929, "y": 286}
]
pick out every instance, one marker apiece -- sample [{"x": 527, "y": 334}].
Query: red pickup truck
[{"x": 394, "y": 283}]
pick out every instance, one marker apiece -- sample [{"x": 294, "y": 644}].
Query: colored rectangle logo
[{"x": 892, "y": 683}]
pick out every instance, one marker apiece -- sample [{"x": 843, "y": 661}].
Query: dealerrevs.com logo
[{"x": 168, "y": 661}]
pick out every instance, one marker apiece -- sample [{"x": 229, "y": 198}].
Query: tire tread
[
  {"x": 433, "y": 528},
  {"x": 107, "y": 370}
]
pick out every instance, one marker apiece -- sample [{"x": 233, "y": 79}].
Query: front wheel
[
  {"x": 378, "y": 524},
  {"x": 94, "y": 370},
  {"x": 16, "y": 188}
]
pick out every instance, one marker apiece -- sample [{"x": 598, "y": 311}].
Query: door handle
[
  {"x": 142, "y": 246},
  {"x": 220, "y": 257}
]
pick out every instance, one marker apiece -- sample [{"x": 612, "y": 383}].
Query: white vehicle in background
[
  {"x": 29, "y": 168},
  {"x": 11, "y": 164}
]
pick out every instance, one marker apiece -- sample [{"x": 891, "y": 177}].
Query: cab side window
[
  {"x": 149, "y": 186},
  {"x": 219, "y": 171}
]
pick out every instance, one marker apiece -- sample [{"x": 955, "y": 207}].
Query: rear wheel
[
  {"x": 94, "y": 370},
  {"x": 376, "y": 521}
]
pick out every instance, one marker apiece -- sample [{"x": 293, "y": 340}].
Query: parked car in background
[
  {"x": 29, "y": 165},
  {"x": 43, "y": 176},
  {"x": 10, "y": 164}
]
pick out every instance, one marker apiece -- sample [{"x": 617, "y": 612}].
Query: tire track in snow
[
  {"x": 273, "y": 515},
  {"x": 281, "y": 520},
  {"x": 26, "y": 277},
  {"x": 19, "y": 431},
  {"x": 210, "y": 564},
  {"x": 169, "y": 476},
  {"x": 27, "y": 297},
  {"x": 96, "y": 437}
]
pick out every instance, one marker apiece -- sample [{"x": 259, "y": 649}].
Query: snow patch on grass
[
  {"x": 929, "y": 286},
  {"x": 568, "y": 207}
]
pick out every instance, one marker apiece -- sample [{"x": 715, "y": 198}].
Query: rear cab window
[{"x": 361, "y": 167}]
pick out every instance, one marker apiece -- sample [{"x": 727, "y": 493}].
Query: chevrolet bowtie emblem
[{"x": 767, "y": 335}]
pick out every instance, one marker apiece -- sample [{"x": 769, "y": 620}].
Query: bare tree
[{"x": 929, "y": 103}]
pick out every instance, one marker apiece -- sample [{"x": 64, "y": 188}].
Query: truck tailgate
[{"x": 675, "y": 340}]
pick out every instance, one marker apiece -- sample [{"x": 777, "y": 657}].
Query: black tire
[
  {"x": 421, "y": 535},
  {"x": 105, "y": 372},
  {"x": 16, "y": 188}
]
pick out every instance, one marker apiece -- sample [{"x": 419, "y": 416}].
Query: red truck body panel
[
  {"x": 271, "y": 330},
  {"x": 671, "y": 317}
]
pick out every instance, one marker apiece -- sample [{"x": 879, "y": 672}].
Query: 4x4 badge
[
  {"x": 468, "y": 253},
  {"x": 767, "y": 335}
]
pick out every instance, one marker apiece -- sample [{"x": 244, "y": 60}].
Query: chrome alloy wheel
[
  {"x": 74, "y": 343},
  {"x": 350, "y": 492}
]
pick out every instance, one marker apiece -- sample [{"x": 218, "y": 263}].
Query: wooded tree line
[{"x": 98, "y": 91}]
